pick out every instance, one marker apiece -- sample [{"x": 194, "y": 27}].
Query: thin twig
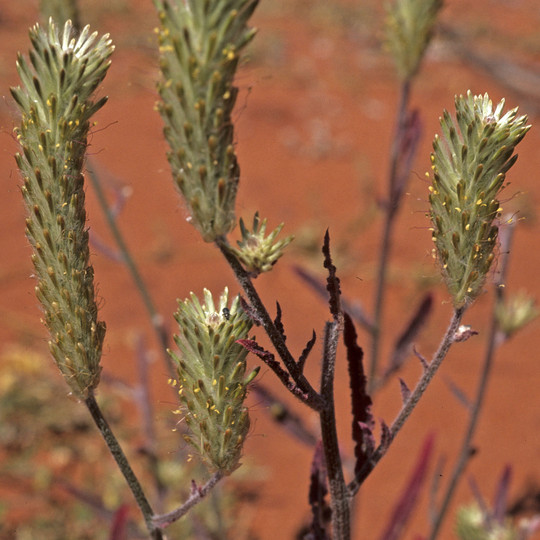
[
  {"x": 478, "y": 402},
  {"x": 155, "y": 318},
  {"x": 412, "y": 401},
  {"x": 197, "y": 495},
  {"x": 391, "y": 208},
  {"x": 124, "y": 466},
  {"x": 312, "y": 398}
]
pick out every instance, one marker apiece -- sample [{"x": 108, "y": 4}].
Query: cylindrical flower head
[
  {"x": 56, "y": 106},
  {"x": 409, "y": 27},
  {"x": 211, "y": 376},
  {"x": 469, "y": 166},
  {"x": 200, "y": 43}
]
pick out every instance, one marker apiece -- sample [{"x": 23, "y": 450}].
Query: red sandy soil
[{"x": 315, "y": 120}]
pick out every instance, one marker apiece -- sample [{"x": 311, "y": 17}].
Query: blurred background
[{"x": 314, "y": 123}]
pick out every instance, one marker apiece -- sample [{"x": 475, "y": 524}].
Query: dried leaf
[{"x": 306, "y": 351}]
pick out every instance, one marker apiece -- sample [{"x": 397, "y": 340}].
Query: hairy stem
[
  {"x": 339, "y": 494},
  {"x": 391, "y": 207},
  {"x": 412, "y": 401},
  {"x": 124, "y": 466},
  {"x": 197, "y": 495},
  {"x": 312, "y": 399}
]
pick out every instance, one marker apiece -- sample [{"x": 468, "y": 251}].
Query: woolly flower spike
[
  {"x": 257, "y": 253},
  {"x": 212, "y": 381},
  {"x": 200, "y": 43},
  {"x": 469, "y": 168},
  {"x": 409, "y": 27},
  {"x": 56, "y": 106}
]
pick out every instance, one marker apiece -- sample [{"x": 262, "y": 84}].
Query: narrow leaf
[
  {"x": 501, "y": 495},
  {"x": 405, "y": 392},
  {"x": 269, "y": 359},
  {"x": 423, "y": 361},
  {"x": 317, "y": 493},
  {"x": 362, "y": 419},
  {"x": 354, "y": 309},
  {"x": 250, "y": 312},
  {"x": 278, "y": 323},
  {"x": 407, "y": 502},
  {"x": 404, "y": 342},
  {"x": 306, "y": 351},
  {"x": 332, "y": 282}
]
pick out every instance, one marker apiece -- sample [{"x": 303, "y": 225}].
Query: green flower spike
[
  {"x": 409, "y": 27},
  {"x": 473, "y": 524},
  {"x": 257, "y": 253},
  {"x": 200, "y": 43},
  {"x": 56, "y": 106},
  {"x": 469, "y": 169},
  {"x": 211, "y": 376}
]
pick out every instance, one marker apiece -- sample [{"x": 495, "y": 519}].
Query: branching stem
[
  {"x": 312, "y": 398},
  {"x": 197, "y": 495}
]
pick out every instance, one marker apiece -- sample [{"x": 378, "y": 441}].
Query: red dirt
[{"x": 315, "y": 119}]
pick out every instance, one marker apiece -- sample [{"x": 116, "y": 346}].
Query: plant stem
[
  {"x": 339, "y": 494},
  {"x": 125, "y": 467},
  {"x": 197, "y": 495},
  {"x": 391, "y": 207},
  {"x": 412, "y": 401},
  {"x": 155, "y": 318},
  {"x": 313, "y": 399},
  {"x": 476, "y": 408}
]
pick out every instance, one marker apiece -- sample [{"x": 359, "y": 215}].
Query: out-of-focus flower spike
[{"x": 409, "y": 27}]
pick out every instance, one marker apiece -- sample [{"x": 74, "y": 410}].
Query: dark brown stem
[
  {"x": 339, "y": 495},
  {"x": 312, "y": 398},
  {"x": 124, "y": 466}
]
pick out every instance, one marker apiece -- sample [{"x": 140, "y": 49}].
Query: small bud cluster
[
  {"x": 469, "y": 166},
  {"x": 56, "y": 107},
  {"x": 200, "y": 45},
  {"x": 256, "y": 252},
  {"x": 211, "y": 377},
  {"x": 409, "y": 27}
]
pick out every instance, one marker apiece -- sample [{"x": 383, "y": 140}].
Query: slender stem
[
  {"x": 477, "y": 405},
  {"x": 339, "y": 494},
  {"x": 155, "y": 318},
  {"x": 391, "y": 207},
  {"x": 312, "y": 399},
  {"x": 197, "y": 495},
  {"x": 123, "y": 464},
  {"x": 412, "y": 401}
]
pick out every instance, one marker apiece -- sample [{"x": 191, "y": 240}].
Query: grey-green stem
[
  {"x": 413, "y": 399},
  {"x": 125, "y": 467}
]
